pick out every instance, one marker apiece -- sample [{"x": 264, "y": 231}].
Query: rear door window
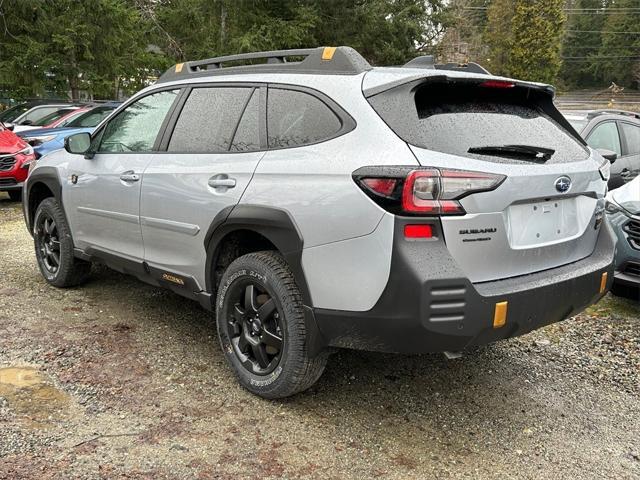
[
  {"x": 632, "y": 137},
  {"x": 208, "y": 120},
  {"x": 297, "y": 118},
  {"x": 247, "y": 136},
  {"x": 605, "y": 135}
]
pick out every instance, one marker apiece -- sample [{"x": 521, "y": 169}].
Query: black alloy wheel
[
  {"x": 48, "y": 243},
  {"x": 255, "y": 328}
]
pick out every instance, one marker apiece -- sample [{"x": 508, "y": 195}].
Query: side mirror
[
  {"x": 27, "y": 122},
  {"x": 78, "y": 143},
  {"x": 9, "y": 126},
  {"x": 607, "y": 154}
]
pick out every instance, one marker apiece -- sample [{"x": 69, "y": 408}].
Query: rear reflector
[
  {"x": 500, "y": 315},
  {"x": 381, "y": 186},
  {"x": 603, "y": 282},
  {"x": 418, "y": 231}
]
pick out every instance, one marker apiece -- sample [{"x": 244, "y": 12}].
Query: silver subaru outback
[{"x": 312, "y": 201}]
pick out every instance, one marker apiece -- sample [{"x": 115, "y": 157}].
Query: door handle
[
  {"x": 129, "y": 176},
  {"x": 222, "y": 180}
]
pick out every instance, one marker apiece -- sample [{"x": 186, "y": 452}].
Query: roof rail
[
  {"x": 606, "y": 111},
  {"x": 427, "y": 61},
  {"x": 320, "y": 60}
]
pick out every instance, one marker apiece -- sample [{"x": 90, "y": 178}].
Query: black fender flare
[
  {"x": 277, "y": 226},
  {"x": 48, "y": 176}
]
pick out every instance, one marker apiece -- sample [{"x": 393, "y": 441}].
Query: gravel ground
[{"x": 121, "y": 380}]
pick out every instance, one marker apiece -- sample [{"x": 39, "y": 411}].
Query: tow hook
[{"x": 452, "y": 355}]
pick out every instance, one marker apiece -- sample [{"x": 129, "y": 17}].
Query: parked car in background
[
  {"x": 37, "y": 112},
  {"x": 48, "y": 121},
  {"x": 326, "y": 203},
  {"x": 45, "y": 140},
  {"x": 623, "y": 210},
  {"x": 15, "y": 157},
  {"x": 615, "y": 130},
  {"x": 11, "y": 114}
]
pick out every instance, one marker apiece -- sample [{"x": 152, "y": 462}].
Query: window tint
[
  {"x": 297, "y": 118},
  {"x": 208, "y": 119},
  {"x": 10, "y": 115},
  {"x": 52, "y": 117},
  {"x": 606, "y": 136},
  {"x": 632, "y": 136},
  {"x": 135, "y": 128},
  {"x": 247, "y": 137}
]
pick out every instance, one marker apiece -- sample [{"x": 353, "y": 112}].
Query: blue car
[{"x": 46, "y": 140}]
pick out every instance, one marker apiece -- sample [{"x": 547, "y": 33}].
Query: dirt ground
[{"x": 121, "y": 380}]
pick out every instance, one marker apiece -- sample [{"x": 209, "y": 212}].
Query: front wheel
[
  {"x": 260, "y": 319},
  {"x": 54, "y": 247}
]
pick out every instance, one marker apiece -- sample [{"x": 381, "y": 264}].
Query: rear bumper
[{"x": 429, "y": 306}]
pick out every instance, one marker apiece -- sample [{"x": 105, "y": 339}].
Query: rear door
[
  {"x": 103, "y": 194},
  {"x": 543, "y": 214},
  {"x": 210, "y": 152},
  {"x": 631, "y": 147}
]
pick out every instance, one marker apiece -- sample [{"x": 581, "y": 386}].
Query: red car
[{"x": 15, "y": 157}]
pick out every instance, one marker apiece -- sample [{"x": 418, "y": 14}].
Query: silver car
[
  {"x": 623, "y": 210},
  {"x": 312, "y": 202}
]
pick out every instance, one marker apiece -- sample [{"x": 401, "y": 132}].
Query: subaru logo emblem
[{"x": 563, "y": 184}]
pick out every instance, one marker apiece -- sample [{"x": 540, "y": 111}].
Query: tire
[
  {"x": 260, "y": 319},
  {"x": 15, "y": 195},
  {"x": 54, "y": 247}
]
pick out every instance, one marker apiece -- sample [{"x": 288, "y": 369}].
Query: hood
[
  {"x": 66, "y": 131},
  {"x": 628, "y": 196},
  {"x": 10, "y": 142}
]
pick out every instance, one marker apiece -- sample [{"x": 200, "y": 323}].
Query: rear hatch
[{"x": 547, "y": 210}]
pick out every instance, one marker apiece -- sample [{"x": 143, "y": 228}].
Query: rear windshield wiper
[{"x": 540, "y": 154}]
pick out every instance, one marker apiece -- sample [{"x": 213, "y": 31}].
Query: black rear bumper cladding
[{"x": 429, "y": 305}]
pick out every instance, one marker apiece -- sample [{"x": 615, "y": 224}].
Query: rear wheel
[
  {"x": 260, "y": 319},
  {"x": 54, "y": 247},
  {"x": 15, "y": 195}
]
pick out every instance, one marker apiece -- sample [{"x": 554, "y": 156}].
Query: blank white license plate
[{"x": 536, "y": 223}]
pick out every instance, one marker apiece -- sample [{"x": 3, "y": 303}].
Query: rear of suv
[{"x": 314, "y": 202}]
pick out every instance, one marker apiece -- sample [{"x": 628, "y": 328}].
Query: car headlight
[
  {"x": 605, "y": 170},
  {"x": 36, "y": 141},
  {"x": 28, "y": 150}
]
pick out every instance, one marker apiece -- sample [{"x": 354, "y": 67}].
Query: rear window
[
  {"x": 453, "y": 118},
  {"x": 91, "y": 118}
]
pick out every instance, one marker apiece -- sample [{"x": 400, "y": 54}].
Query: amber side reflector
[
  {"x": 179, "y": 67},
  {"x": 603, "y": 282},
  {"x": 327, "y": 53},
  {"x": 500, "y": 315}
]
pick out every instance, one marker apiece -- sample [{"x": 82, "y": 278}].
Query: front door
[{"x": 104, "y": 191}]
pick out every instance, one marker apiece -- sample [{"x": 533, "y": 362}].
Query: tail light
[{"x": 424, "y": 191}]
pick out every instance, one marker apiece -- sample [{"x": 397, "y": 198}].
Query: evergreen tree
[
  {"x": 537, "y": 36},
  {"x": 619, "y": 55}
]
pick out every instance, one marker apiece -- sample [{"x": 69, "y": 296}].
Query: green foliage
[
  {"x": 71, "y": 45},
  {"x": 619, "y": 54},
  {"x": 524, "y": 38},
  {"x": 537, "y": 38},
  {"x": 582, "y": 39}
]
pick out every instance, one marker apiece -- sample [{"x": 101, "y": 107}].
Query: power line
[{"x": 608, "y": 32}]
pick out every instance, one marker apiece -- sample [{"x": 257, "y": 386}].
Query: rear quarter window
[{"x": 296, "y": 118}]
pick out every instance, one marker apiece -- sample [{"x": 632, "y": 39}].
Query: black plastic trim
[
  {"x": 49, "y": 177},
  {"x": 429, "y": 305}
]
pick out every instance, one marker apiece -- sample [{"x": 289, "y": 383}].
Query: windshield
[
  {"x": 91, "y": 118},
  {"x": 10, "y": 115},
  {"x": 52, "y": 117}
]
